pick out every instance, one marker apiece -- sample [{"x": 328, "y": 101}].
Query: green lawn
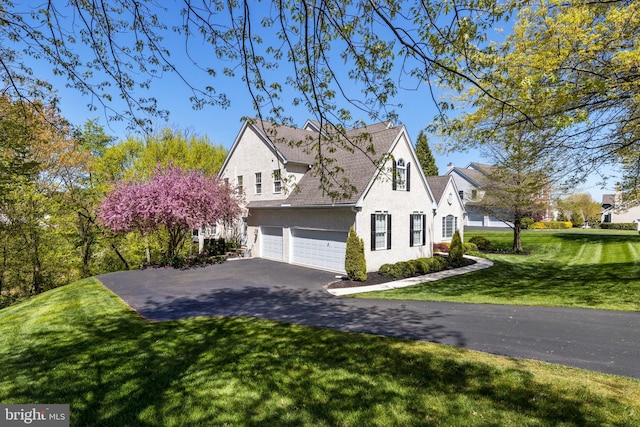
[
  {"x": 81, "y": 345},
  {"x": 574, "y": 268}
]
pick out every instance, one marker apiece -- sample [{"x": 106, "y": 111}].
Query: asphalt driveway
[{"x": 604, "y": 341}]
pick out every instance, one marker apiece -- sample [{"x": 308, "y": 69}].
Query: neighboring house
[
  {"x": 469, "y": 181},
  {"x": 615, "y": 210},
  {"x": 472, "y": 182},
  {"x": 289, "y": 218},
  {"x": 450, "y": 213}
]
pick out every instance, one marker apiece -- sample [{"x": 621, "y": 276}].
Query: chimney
[{"x": 450, "y": 166}]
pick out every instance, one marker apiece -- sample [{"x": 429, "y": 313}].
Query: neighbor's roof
[
  {"x": 358, "y": 166},
  {"x": 438, "y": 184},
  {"x": 608, "y": 199},
  {"x": 472, "y": 173}
]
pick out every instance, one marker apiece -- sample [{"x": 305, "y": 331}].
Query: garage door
[
  {"x": 319, "y": 249},
  {"x": 475, "y": 220},
  {"x": 272, "y": 243}
]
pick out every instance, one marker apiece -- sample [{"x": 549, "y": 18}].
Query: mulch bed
[{"x": 376, "y": 278}]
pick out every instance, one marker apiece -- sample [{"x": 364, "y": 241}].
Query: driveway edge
[{"x": 480, "y": 264}]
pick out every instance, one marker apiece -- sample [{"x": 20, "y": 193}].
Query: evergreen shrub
[
  {"x": 482, "y": 243},
  {"x": 619, "y": 226},
  {"x": 456, "y": 251},
  {"x": 355, "y": 263}
]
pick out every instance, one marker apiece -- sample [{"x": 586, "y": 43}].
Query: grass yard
[
  {"x": 573, "y": 268},
  {"x": 81, "y": 345}
]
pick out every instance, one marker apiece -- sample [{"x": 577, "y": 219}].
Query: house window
[
  {"x": 449, "y": 226},
  {"x": 240, "y": 182},
  {"x": 380, "y": 231},
  {"x": 401, "y": 175},
  {"x": 461, "y": 194},
  {"x": 417, "y": 229},
  {"x": 277, "y": 181},
  {"x": 474, "y": 194},
  {"x": 258, "y": 183}
]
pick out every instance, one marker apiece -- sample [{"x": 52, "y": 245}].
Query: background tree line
[{"x": 53, "y": 177}]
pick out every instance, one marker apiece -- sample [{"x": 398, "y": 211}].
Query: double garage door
[{"x": 314, "y": 248}]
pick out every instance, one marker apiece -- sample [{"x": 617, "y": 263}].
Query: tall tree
[
  {"x": 138, "y": 157},
  {"x": 580, "y": 208},
  {"x": 35, "y": 249},
  {"x": 425, "y": 156},
  {"x": 171, "y": 200}
]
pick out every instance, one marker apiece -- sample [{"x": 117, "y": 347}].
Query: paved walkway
[
  {"x": 481, "y": 263},
  {"x": 605, "y": 341}
]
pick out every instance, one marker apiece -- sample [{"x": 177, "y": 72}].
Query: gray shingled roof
[
  {"x": 359, "y": 167},
  {"x": 438, "y": 184},
  {"x": 608, "y": 199},
  {"x": 473, "y": 175}
]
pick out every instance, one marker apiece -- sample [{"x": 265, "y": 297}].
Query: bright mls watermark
[{"x": 35, "y": 415}]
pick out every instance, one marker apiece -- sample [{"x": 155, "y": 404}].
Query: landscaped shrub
[
  {"x": 551, "y": 225},
  {"x": 482, "y": 243},
  {"x": 469, "y": 248},
  {"x": 437, "y": 263},
  {"x": 456, "y": 251},
  {"x": 619, "y": 226},
  {"x": 414, "y": 267},
  {"x": 405, "y": 269},
  {"x": 354, "y": 263},
  {"x": 441, "y": 247},
  {"x": 419, "y": 266},
  {"x": 525, "y": 223}
]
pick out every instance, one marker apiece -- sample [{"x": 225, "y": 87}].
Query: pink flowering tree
[{"x": 173, "y": 200}]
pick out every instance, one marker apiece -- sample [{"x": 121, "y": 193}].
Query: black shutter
[
  {"x": 424, "y": 229},
  {"x": 393, "y": 178},
  {"x": 410, "y": 230},
  {"x": 373, "y": 232},
  {"x": 408, "y": 177},
  {"x": 388, "y": 231}
]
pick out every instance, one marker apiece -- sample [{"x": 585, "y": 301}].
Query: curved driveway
[{"x": 605, "y": 341}]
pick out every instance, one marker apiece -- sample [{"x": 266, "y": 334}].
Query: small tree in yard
[
  {"x": 456, "y": 250},
  {"x": 355, "y": 263},
  {"x": 172, "y": 200}
]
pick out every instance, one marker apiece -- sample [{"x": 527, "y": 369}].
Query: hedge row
[
  {"x": 414, "y": 267},
  {"x": 551, "y": 225},
  {"x": 619, "y": 226}
]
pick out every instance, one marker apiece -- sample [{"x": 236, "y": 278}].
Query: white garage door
[
  {"x": 319, "y": 248},
  {"x": 272, "y": 243},
  {"x": 475, "y": 220}
]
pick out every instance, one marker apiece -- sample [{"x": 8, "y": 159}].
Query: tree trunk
[{"x": 517, "y": 241}]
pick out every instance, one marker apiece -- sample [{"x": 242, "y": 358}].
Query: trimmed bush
[
  {"x": 469, "y": 248},
  {"x": 526, "y": 223},
  {"x": 552, "y": 225},
  {"x": 619, "y": 226},
  {"x": 354, "y": 263},
  {"x": 482, "y": 243},
  {"x": 414, "y": 267},
  {"x": 456, "y": 251}
]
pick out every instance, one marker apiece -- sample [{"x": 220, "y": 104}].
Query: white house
[
  {"x": 290, "y": 218},
  {"x": 615, "y": 210},
  {"x": 450, "y": 213},
  {"x": 469, "y": 181}
]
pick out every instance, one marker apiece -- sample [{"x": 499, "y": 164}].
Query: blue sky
[{"x": 222, "y": 125}]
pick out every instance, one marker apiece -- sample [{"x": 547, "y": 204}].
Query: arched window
[{"x": 401, "y": 175}]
